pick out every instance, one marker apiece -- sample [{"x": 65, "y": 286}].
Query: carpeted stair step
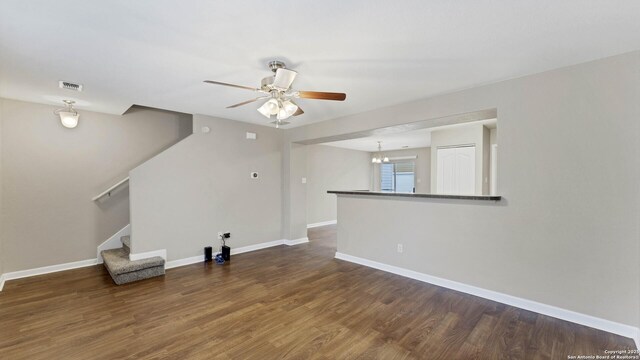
[
  {"x": 126, "y": 243},
  {"x": 123, "y": 270}
]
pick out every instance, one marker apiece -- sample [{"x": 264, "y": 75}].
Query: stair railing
[{"x": 111, "y": 189}]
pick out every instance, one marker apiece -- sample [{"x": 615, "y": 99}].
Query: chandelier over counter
[{"x": 379, "y": 157}]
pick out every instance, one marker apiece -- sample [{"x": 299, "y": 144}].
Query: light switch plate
[
  {"x": 304, "y": 180},
  {"x": 251, "y": 136}
]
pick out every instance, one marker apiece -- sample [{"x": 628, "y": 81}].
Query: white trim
[
  {"x": 182, "y": 262},
  {"x": 162, "y": 253},
  {"x": 47, "y": 269},
  {"x": 200, "y": 258},
  {"x": 563, "y": 314},
  {"x": 149, "y": 254},
  {"x": 296, "y": 241},
  {"x": 255, "y": 247},
  {"x": 322, "y": 223},
  {"x": 113, "y": 242}
]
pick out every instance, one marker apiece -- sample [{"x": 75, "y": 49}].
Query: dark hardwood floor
[{"x": 284, "y": 302}]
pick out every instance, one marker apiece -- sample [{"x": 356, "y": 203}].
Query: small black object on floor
[{"x": 226, "y": 253}]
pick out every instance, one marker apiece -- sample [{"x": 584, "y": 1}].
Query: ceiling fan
[{"x": 277, "y": 89}]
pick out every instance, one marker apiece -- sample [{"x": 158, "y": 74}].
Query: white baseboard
[
  {"x": 183, "y": 262},
  {"x": 563, "y": 314},
  {"x": 296, "y": 241},
  {"x": 322, "y": 223},
  {"x": 235, "y": 251},
  {"x": 162, "y": 253},
  {"x": 47, "y": 270},
  {"x": 113, "y": 242},
  {"x": 255, "y": 247},
  {"x": 149, "y": 254}
]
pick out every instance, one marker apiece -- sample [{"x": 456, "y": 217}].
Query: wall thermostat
[
  {"x": 205, "y": 129},
  {"x": 254, "y": 175}
]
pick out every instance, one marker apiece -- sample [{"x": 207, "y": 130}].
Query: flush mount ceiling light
[
  {"x": 277, "y": 89},
  {"x": 379, "y": 158},
  {"x": 68, "y": 115}
]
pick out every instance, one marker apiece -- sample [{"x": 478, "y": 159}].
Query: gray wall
[
  {"x": 462, "y": 135},
  {"x": 332, "y": 168},
  {"x": 553, "y": 239},
  {"x": 181, "y": 198},
  {"x": 50, "y": 174},
  {"x": 2, "y": 253},
  {"x": 422, "y": 170}
]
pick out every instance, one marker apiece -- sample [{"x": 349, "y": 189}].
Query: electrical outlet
[
  {"x": 219, "y": 234},
  {"x": 400, "y": 248}
]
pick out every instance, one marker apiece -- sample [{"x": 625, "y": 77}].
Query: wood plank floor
[{"x": 278, "y": 303}]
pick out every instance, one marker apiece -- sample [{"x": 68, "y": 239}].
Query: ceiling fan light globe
[
  {"x": 386, "y": 159},
  {"x": 289, "y": 107},
  {"x": 273, "y": 107},
  {"x": 265, "y": 110},
  {"x": 282, "y": 114}
]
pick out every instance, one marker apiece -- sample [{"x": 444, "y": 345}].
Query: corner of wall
[{"x": 1, "y": 203}]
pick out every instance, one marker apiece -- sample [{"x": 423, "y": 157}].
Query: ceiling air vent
[{"x": 69, "y": 86}]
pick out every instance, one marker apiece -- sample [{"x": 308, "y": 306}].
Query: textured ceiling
[{"x": 157, "y": 53}]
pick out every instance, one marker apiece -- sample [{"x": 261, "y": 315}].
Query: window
[{"x": 398, "y": 176}]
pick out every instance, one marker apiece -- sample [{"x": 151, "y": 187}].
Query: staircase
[{"x": 123, "y": 270}]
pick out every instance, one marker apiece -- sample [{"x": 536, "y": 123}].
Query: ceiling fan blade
[
  {"x": 298, "y": 112},
  {"x": 232, "y": 85},
  {"x": 246, "y": 102},
  {"x": 321, "y": 95},
  {"x": 284, "y": 78}
]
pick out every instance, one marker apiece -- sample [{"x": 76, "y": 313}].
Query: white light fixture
[
  {"x": 68, "y": 116},
  {"x": 378, "y": 158},
  {"x": 275, "y": 106},
  {"x": 290, "y": 107},
  {"x": 269, "y": 108}
]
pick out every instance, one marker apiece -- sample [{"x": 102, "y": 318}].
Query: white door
[{"x": 456, "y": 170}]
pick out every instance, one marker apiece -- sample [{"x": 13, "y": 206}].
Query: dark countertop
[{"x": 412, "y": 195}]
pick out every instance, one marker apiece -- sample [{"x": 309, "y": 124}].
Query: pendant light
[
  {"x": 68, "y": 115},
  {"x": 379, "y": 158}
]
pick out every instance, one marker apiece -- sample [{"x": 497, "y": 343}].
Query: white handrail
[{"x": 109, "y": 190}]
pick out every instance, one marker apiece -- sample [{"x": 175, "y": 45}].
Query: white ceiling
[
  {"x": 403, "y": 140},
  {"x": 156, "y": 53}
]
